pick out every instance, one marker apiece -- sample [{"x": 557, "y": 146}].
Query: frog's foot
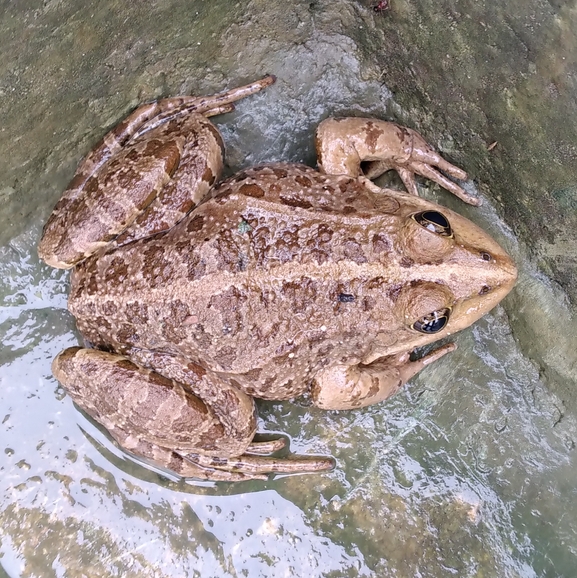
[
  {"x": 350, "y": 387},
  {"x": 169, "y": 108},
  {"x": 229, "y": 469},
  {"x": 259, "y": 467},
  {"x": 173, "y": 461},
  {"x": 143, "y": 119},
  {"x": 356, "y": 146}
]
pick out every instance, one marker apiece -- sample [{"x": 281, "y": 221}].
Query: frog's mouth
[{"x": 491, "y": 292}]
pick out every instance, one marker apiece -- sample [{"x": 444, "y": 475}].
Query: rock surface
[{"x": 450, "y": 475}]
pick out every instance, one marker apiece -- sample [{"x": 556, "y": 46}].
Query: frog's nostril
[
  {"x": 486, "y": 256},
  {"x": 485, "y": 289}
]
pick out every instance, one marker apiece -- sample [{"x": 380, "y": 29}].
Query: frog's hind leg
[
  {"x": 131, "y": 167},
  {"x": 115, "y": 390},
  {"x": 251, "y": 460},
  {"x": 150, "y": 115},
  {"x": 174, "y": 462},
  {"x": 139, "y": 121},
  {"x": 206, "y": 434},
  {"x": 200, "y": 164},
  {"x": 144, "y": 412}
]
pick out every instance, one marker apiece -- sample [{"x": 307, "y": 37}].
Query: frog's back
[{"x": 252, "y": 274}]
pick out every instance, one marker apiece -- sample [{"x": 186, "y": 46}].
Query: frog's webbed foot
[
  {"x": 169, "y": 108},
  {"x": 357, "y": 146},
  {"x": 351, "y": 387},
  {"x": 421, "y": 159}
]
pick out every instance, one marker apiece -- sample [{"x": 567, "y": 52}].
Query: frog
[{"x": 195, "y": 295}]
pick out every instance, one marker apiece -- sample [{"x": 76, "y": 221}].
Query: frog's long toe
[
  {"x": 261, "y": 465},
  {"x": 266, "y": 447}
]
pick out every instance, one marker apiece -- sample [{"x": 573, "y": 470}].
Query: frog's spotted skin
[
  {"x": 134, "y": 168},
  {"x": 278, "y": 281}
]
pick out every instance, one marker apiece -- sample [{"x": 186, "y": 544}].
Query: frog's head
[{"x": 455, "y": 271}]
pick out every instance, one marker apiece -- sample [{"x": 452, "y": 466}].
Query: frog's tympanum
[{"x": 198, "y": 295}]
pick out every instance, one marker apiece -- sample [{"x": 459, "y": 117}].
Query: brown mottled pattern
[
  {"x": 277, "y": 281},
  {"x": 372, "y": 134},
  {"x": 201, "y": 158},
  {"x": 216, "y": 261},
  {"x": 154, "y": 408},
  {"x": 102, "y": 213},
  {"x": 220, "y": 257},
  {"x": 166, "y": 170},
  {"x": 233, "y": 410},
  {"x": 381, "y": 243},
  {"x": 251, "y": 190}
]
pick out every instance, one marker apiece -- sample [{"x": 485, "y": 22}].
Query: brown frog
[{"x": 198, "y": 296}]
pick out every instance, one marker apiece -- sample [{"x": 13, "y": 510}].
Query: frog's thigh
[
  {"x": 139, "y": 404},
  {"x": 110, "y": 201},
  {"x": 350, "y": 387},
  {"x": 200, "y": 164}
]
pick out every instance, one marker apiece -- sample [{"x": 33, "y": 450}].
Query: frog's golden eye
[
  {"x": 435, "y": 222},
  {"x": 433, "y": 322}
]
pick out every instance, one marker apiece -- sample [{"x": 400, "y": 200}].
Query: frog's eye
[
  {"x": 433, "y": 322},
  {"x": 435, "y": 222}
]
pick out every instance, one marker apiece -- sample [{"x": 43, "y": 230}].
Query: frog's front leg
[
  {"x": 351, "y": 387},
  {"x": 196, "y": 425},
  {"x": 370, "y": 147}
]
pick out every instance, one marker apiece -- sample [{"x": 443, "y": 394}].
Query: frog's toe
[
  {"x": 408, "y": 178},
  {"x": 266, "y": 447},
  {"x": 426, "y": 170},
  {"x": 251, "y": 465}
]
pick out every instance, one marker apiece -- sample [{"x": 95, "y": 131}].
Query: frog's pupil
[
  {"x": 432, "y": 323},
  {"x": 435, "y": 222},
  {"x": 435, "y": 325},
  {"x": 437, "y": 218}
]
